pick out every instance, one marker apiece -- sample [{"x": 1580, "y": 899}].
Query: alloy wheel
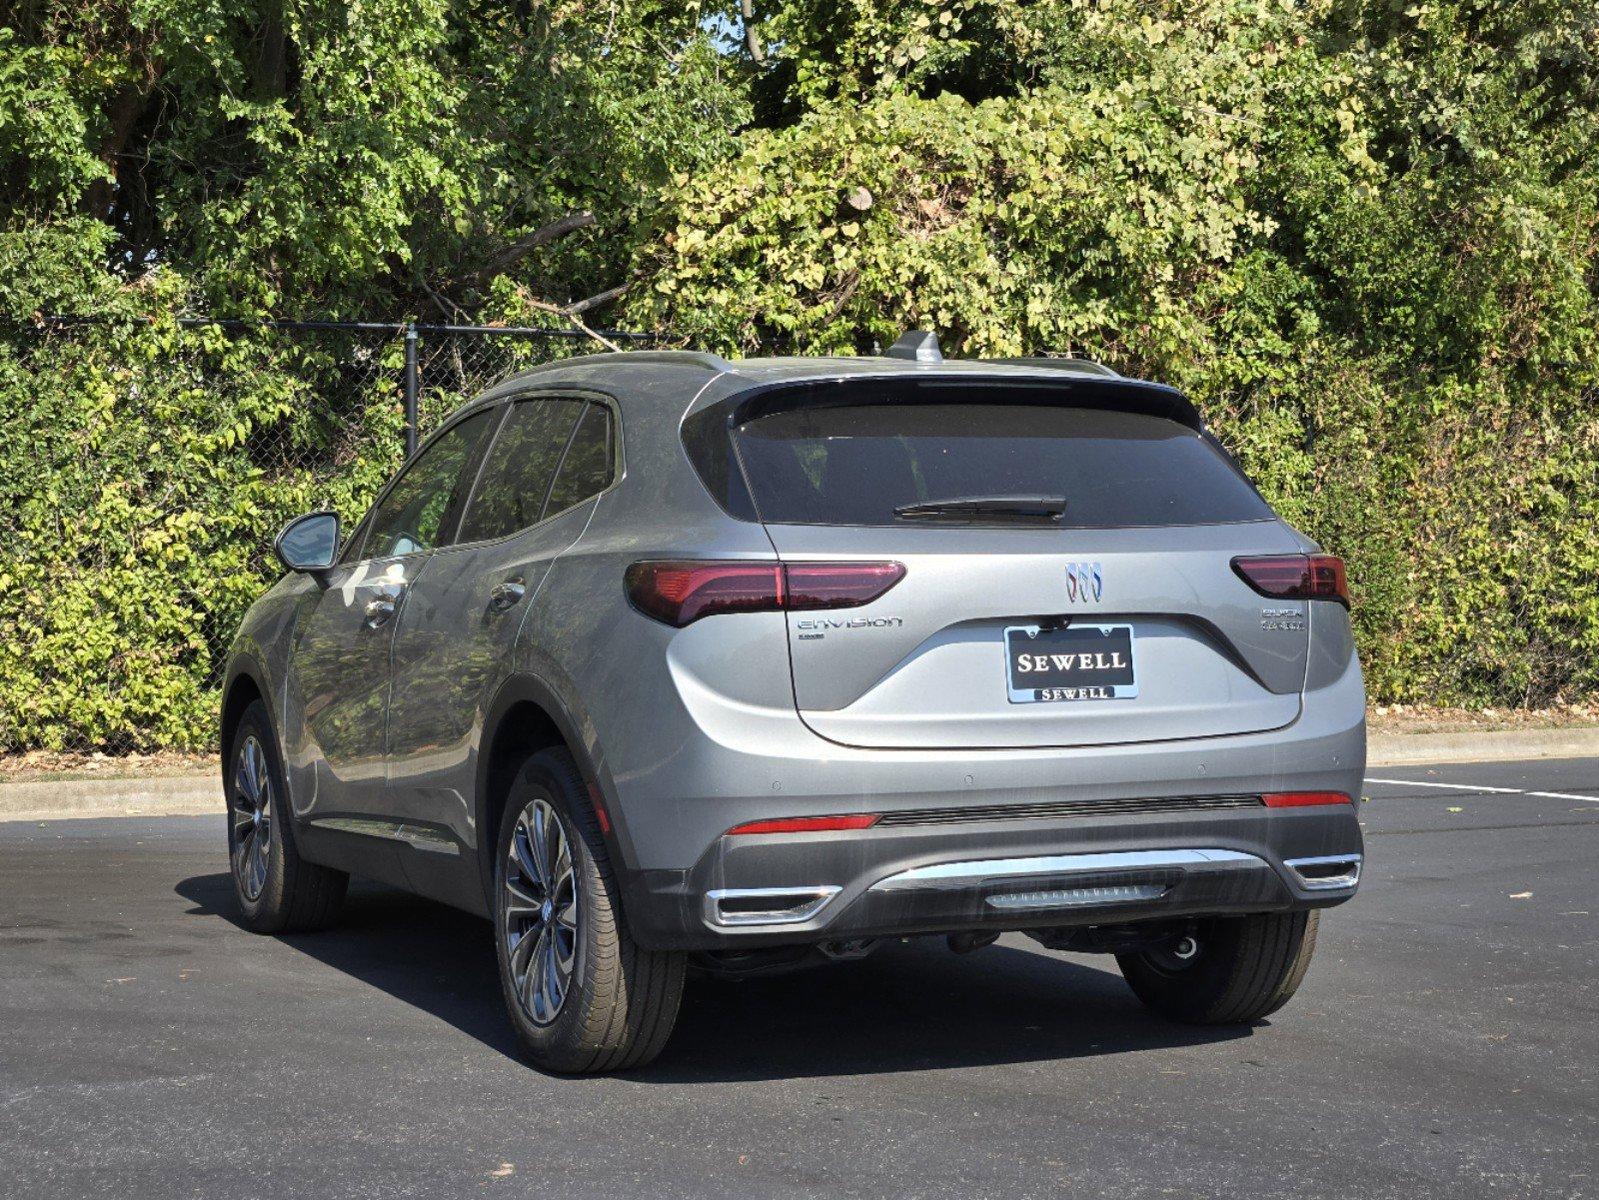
[
  {"x": 539, "y": 901},
  {"x": 252, "y": 818}
]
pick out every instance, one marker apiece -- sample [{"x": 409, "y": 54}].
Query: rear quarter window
[
  {"x": 855, "y": 464},
  {"x": 587, "y": 469}
]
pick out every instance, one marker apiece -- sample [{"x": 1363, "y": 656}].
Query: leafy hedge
[
  {"x": 141, "y": 477},
  {"x": 1364, "y": 237},
  {"x": 1366, "y": 242}
]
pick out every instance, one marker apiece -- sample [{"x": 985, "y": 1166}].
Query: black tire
[
  {"x": 277, "y": 890},
  {"x": 620, "y": 1002},
  {"x": 1241, "y": 969}
]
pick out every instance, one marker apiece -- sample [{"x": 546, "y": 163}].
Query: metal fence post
[{"x": 411, "y": 382}]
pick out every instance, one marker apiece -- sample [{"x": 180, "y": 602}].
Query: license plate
[{"x": 1078, "y": 662}]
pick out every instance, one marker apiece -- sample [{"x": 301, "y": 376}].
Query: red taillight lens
[
  {"x": 1303, "y": 799},
  {"x": 806, "y": 824},
  {"x": 1296, "y": 576},
  {"x": 839, "y": 585},
  {"x": 679, "y": 593}
]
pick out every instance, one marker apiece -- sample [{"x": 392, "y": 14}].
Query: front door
[
  {"x": 339, "y": 672},
  {"x": 340, "y": 660}
]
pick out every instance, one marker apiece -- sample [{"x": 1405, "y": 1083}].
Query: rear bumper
[
  {"x": 776, "y": 889},
  {"x": 672, "y": 812}
]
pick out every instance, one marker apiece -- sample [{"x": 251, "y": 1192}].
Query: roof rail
[
  {"x": 701, "y": 358},
  {"x": 1083, "y": 366}
]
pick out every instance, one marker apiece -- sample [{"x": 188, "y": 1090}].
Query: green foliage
[
  {"x": 1364, "y": 237},
  {"x": 299, "y": 157},
  {"x": 374, "y": 160},
  {"x": 141, "y": 468},
  {"x": 1365, "y": 240}
]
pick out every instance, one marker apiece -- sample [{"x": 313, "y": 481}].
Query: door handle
[
  {"x": 378, "y": 611},
  {"x": 503, "y": 595}
]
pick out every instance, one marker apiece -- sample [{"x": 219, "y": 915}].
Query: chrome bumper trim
[
  {"x": 1082, "y": 897},
  {"x": 962, "y": 874}
]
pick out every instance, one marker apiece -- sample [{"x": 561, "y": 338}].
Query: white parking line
[
  {"x": 1480, "y": 787},
  {"x": 1454, "y": 787}
]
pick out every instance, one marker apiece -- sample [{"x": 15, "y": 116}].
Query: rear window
[{"x": 854, "y": 465}]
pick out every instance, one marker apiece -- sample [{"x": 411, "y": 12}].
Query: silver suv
[{"x": 659, "y": 661}]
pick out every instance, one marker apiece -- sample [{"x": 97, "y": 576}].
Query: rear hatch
[{"x": 1067, "y": 577}]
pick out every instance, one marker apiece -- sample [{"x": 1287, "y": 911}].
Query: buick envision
[{"x": 657, "y": 660}]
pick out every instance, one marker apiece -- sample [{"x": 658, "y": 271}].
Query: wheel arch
[
  {"x": 245, "y": 685},
  {"x": 529, "y": 715}
]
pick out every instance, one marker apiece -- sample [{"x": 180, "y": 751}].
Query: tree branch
[
  {"x": 570, "y": 312},
  {"x": 747, "y": 10},
  {"x": 605, "y": 297},
  {"x": 542, "y": 236},
  {"x": 443, "y": 303}
]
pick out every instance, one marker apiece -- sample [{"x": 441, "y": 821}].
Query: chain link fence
[{"x": 145, "y": 469}]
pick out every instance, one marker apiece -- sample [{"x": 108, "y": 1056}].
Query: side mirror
[{"x": 309, "y": 543}]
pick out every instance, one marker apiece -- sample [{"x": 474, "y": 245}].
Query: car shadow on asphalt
[
  {"x": 911, "y": 1006},
  {"x": 431, "y": 956}
]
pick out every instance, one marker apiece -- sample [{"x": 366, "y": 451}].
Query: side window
[
  {"x": 411, "y": 517},
  {"x": 586, "y": 470},
  {"x": 517, "y": 469}
]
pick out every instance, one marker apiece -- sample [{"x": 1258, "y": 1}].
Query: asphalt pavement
[{"x": 1446, "y": 1042}]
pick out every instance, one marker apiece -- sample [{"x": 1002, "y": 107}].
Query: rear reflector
[
  {"x": 1303, "y": 799},
  {"x": 1296, "y": 576},
  {"x": 806, "y": 824},
  {"x": 680, "y": 593},
  {"x": 600, "y": 814}
]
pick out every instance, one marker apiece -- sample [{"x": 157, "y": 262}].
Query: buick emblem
[{"x": 1084, "y": 581}]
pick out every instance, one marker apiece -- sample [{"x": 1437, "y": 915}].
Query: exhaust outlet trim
[
  {"x": 734, "y": 908},
  {"x": 1325, "y": 872}
]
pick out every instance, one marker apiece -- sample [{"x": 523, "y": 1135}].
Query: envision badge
[
  {"x": 852, "y": 623},
  {"x": 1083, "y": 580}
]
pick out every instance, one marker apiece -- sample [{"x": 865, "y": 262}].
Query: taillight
[
  {"x": 806, "y": 824},
  {"x": 1304, "y": 799},
  {"x": 1296, "y": 576},
  {"x": 679, "y": 593},
  {"x": 838, "y": 585}
]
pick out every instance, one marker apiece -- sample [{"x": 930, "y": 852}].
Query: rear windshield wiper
[{"x": 1048, "y": 509}]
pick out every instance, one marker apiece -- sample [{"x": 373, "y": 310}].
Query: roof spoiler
[
  {"x": 1082, "y": 366},
  {"x": 1078, "y": 389}
]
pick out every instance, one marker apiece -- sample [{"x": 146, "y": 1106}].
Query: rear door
[
  {"x": 1115, "y": 617},
  {"x": 453, "y": 648}
]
